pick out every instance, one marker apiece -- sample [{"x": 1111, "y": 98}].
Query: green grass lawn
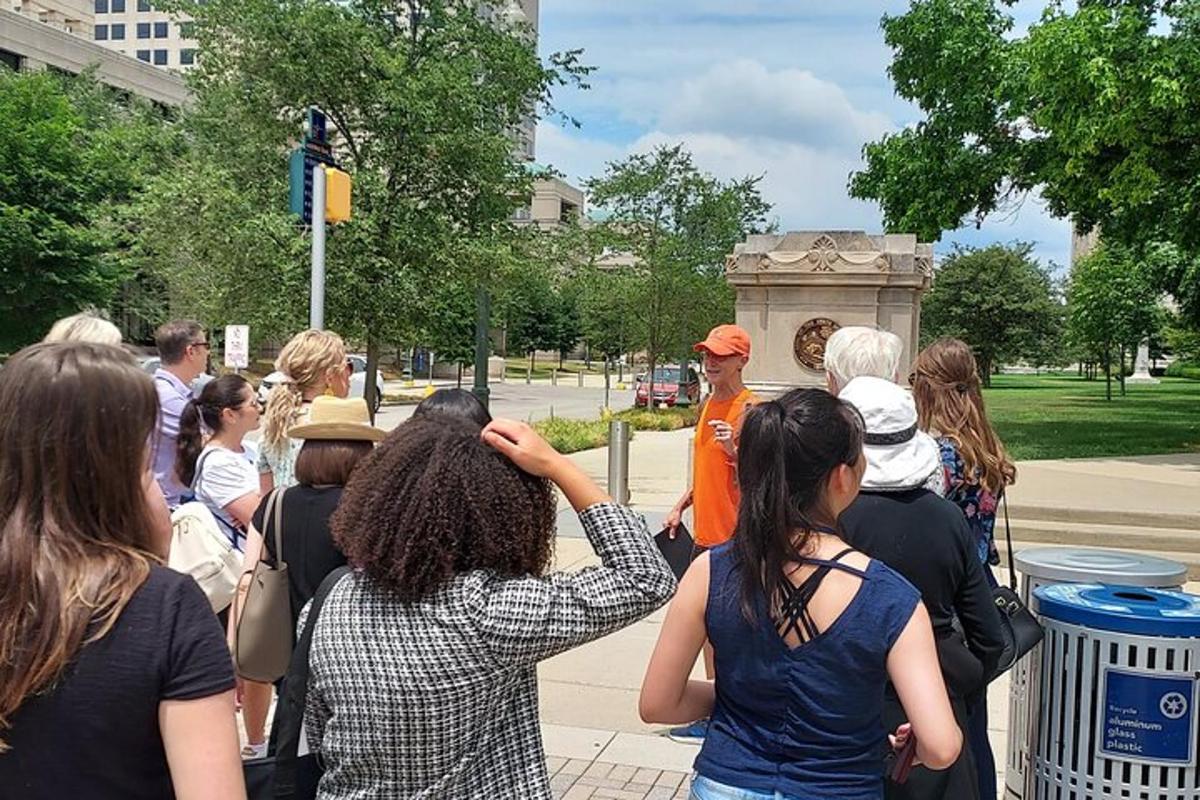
[{"x": 1065, "y": 416}]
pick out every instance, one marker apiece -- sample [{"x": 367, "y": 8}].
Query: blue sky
[{"x": 788, "y": 90}]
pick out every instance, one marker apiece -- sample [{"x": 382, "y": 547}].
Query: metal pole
[
  {"x": 618, "y": 461},
  {"x": 607, "y": 377},
  {"x": 483, "y": 313},
  {"x": 580, "y": 376},
  {"x": 316, "y": 308}
]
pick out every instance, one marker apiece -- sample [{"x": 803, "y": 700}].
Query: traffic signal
[{"x": 337, "y": 195}]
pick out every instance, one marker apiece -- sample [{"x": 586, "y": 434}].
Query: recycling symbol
[{"x": 1173, "y": 705}]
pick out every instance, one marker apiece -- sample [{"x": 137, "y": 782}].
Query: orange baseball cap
[{"x": 726, "y": 340}]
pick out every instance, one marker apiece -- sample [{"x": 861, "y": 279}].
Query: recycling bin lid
[
  {"x": 1122, "y": 609},
  {"x": 1082, "y": 565}
]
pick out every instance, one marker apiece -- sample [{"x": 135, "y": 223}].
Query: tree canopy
[
  {"x": 1096, "y": 108},
  {"x": 677, "y": 224},
  {"x": 76, "y": 156},
  {"x": 423, "y": 98},
  {"x": 997, "y": 299}
]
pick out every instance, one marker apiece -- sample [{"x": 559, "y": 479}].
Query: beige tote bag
[{"x": 264, "y": 638}]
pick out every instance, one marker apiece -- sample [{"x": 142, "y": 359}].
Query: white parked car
[{"x": 358, "y": 381}]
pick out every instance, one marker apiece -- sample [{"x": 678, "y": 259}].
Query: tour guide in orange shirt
[{"x": 714, "y": 493}]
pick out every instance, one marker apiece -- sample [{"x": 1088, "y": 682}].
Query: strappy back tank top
[{"x": 805, "y": 721}]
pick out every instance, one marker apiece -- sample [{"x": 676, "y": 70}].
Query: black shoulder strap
[
  {"x": 1012, "y": 566},
  {"x": 289, "y": 711}
]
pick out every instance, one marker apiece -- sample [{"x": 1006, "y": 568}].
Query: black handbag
[
  {"x": 1018, "y": 627},
  {"x": 284, "y": 774}
]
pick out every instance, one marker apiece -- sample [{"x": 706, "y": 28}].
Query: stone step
[
  {"x": 1094, "y": 534},
  {"x": 1189, "y": 559},
  {"x": 1140, "y": 518}
]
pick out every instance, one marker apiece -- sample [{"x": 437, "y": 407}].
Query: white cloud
[{"x": 745, "y": 98}]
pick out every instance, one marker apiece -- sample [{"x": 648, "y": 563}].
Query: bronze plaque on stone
[{"x": 809, "y": 345}]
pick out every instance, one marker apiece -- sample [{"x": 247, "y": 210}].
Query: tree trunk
[
  {"x": 561, "y": 358},
  {"x": 1121, "y": 372},
  {"x": 460, "y": 375},
  {"x": 1107, "y": 374},
  {"x": 372, "y": 366},
  {"x": 985, "y": 367}
]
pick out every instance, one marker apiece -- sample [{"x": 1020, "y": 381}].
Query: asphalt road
[{"x": 530, "y": 403}]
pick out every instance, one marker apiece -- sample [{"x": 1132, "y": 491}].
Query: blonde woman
[
  {"x": 315, "y": 364},
  {"x": 946, "y": 388}
]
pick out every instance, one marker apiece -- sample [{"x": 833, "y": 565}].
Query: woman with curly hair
[
  {"x": 423, "y": 669},
  {"x": 115, "y": 681},
  {"x": 946, "y": 388},
  {"x": 315, "y": 364}
]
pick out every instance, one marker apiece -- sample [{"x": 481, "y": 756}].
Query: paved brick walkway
[{"x": 578, "y": 779}]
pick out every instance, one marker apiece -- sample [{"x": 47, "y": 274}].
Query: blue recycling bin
[{"x": 1118, "y": 686}]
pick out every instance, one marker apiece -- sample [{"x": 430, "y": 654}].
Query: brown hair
[
  {"x": 306, "y": 360},
  {"x": 329, "y": 462},
  {"x": 75, "y": 528},
  {"x": 945, "y": 384},
  {"x": 433, "y": 501},
  {"x": 172, "y": 339}
]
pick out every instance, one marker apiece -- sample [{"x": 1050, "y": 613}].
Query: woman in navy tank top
[{"x": 806, "y": 631}]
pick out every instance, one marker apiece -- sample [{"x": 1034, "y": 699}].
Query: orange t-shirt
[{"x": 714, "y": 480}]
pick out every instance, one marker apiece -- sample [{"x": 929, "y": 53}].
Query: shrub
[
  {"x": 668, "y": 419},
  {"x": 573, "y": 435},
  {"x": 1184, "y": 369}
]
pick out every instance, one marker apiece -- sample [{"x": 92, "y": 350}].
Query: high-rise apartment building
[{"x": 136, "y": 28}]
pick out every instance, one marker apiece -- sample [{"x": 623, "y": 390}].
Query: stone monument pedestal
[
  {"x": 1141, "y": 366},
  {"x": 795, "y": 289}
]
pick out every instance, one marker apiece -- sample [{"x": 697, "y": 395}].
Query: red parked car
[{"x": 666, "y": 387}]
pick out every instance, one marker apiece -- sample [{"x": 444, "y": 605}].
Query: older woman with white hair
[
  {"x": 858, "y": 351},
  {"x": 86, "y": 326}
]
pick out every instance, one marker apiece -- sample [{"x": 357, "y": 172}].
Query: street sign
[
  {"x": 237, "y": 346},
  {"x": 314, "y": 127},
  {"x": 300, "y": 167}
]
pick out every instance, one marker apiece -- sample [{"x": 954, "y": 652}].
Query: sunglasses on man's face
[{"x": 199, "y": 344}]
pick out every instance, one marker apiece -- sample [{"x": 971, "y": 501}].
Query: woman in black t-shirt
[
  {"x": 115, "y": 681},
  {"x": 337, "y": 435}
]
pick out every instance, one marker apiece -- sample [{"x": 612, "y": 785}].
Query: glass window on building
[
  {"x": 143, "y": 30},
  {"x": 143, "y": 5},
  {"x": 187, "y": 30},
  {"x": 187, "y": 57},
  {"x": 101, "y": 6},
  {"x": 143, "y": 55},
  {"x": 160, "y": 30},
  {"x": 118, "y": 6},
  {"x": 117, "y": 31},
  {"x": 160, "y": 58},
  {"x": 101, "y": 33}
]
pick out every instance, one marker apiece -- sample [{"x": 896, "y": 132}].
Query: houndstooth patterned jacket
[{"x": 439, "y": 699}]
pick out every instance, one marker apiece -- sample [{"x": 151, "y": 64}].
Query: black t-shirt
[
  {"x": 95, "y": 734},
  {"x": 926, "y": 539},
  {"x": 308, "y": 548}
]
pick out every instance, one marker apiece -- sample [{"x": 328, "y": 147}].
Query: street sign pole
[{"x": 316, "y": 309}]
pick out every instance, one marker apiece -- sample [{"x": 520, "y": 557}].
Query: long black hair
[
  {"x": 786, "y": 452},
  {"x": 227, "y": 391},
  {"x": 454, "y": 403}
]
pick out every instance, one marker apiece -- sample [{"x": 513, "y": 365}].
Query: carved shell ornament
[
  {"x": 823, "y": 253},
  {"x": 809, "y": 344},
  {"x": 731, "y": 264}
]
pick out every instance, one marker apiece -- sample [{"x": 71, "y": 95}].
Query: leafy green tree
[
  {"x": 1111, "y": 306},
  {"x": 75, "y": 157},
  {"x": 999, "y": 300},
  {"x": 678, "y": 224},
  {"x": 1096, "y": 108},
  {"x": 422, "y": 97}
]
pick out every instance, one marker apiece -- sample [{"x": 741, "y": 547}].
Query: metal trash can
[
  {"x": 1117, "y": 697},
  {"x": 1046, "y": 566}
]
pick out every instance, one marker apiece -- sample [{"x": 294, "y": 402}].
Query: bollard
[
  {"x": 580, "y": 376},
  {"x": 554, "y": 377},
  {"x": 618, "y": 461}
]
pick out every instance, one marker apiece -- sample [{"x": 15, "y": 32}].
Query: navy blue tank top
[{"x": 804, "y": 721}]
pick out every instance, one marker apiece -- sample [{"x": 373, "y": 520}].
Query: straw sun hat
[{"x": 338, "y": 418}]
